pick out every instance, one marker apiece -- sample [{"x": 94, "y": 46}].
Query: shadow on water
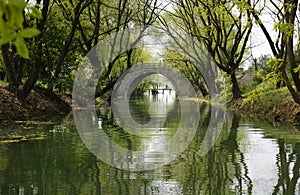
[{"x": 247, "y": 158}]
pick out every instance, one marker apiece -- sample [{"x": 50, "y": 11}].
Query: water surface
[{"x": 247, "y": 158}]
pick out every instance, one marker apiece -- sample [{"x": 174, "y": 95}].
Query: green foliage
[
  {"x": 150, "y": 82},
  {"x": 220, "y": 28},
  {"x": 3, "y": 83},
  {"x": 254, "y": 96},
  {"x": 21, "y": 46},
  {"x": 259, "y": 71},
  {"x": 297, "y": 69},
  {"x": 121, "y": 65},
  {"x": 265, "y": 95},
  {"x": 269, "y": 79},
  {"x": 250, "y": 85},
  {"x": 187, "y": 68},
  {"x": 275, "y": 75},
  {"x": 225, "y": 86},
  {"x": 267, "y": 71},
  {"x": 41, "y": 84},
  {"x": 11, "y": 25},
  {"x": 286, "y": 28},
  {"x": 29, "y": 32}
]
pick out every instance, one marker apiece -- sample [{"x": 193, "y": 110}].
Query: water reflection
[
  {"x": 288, "y": 164},
  {"x": 165, "y": 187},
  {"x": 248, "y": 158},
  {"x": 157, "y": 106}
]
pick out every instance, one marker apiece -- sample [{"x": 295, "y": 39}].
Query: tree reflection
[
  {"x": 61, "y": 164},
  {"x": 243, "y": 182},
  {"x": 223, "y": 170},
  {"x": 288, "y": 164}
]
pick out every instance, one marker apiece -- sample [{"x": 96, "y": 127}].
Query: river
[{"x": 246, "y": 157}]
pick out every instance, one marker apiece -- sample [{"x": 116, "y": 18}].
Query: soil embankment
[
  {"x": 285, "y": 111},
  {"x": 40, "y": 105}
]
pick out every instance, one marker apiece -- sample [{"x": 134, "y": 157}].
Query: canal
[{"x": 246, "y": 157}]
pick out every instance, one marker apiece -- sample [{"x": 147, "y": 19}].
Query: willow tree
[
  {"x": 222, "y": 27},
  {"x": 98, "y": 20},
  {"x": 283, "y": 14},
  {"x": 128, "y": 14},
  {"x": 68, "y": 30},
  {"x": 187, "y": 67}
]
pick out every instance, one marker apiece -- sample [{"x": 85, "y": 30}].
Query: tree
[
  {"x": 94, "y": 23},
  {"x": 68, "y": 30},
  {"x": 14, "y": 64},
  {"x": 283, "y": 45},
  {"x": 37, "y": 61},
  {"x": 128, "y": 14},
  {"x": 222, "y": 27},
  {"x": 188, "y": 69},
  {"x": 74, "y": 17}
]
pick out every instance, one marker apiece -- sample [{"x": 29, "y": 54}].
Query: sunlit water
[{"x": 248, "y": 157}]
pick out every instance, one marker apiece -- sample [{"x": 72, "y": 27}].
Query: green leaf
[
  {"x": 297, "y": 69},
  {"x": 18, "y": 17},
  {"x": 36, "y": 13},
  {"x": 7, "y": 38},
  {"x": 3, "y": 26},
  {"x": 2, "y": 4},
  {"x": 9, "y": 14},
  {"x": 21, "y": 47},
  {"x": 29, "y": 32},
  {"x": 15, "y": 16},
  {"x": 20, "y": 4}
]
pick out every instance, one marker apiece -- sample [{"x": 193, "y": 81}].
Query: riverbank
[
  {"x": 273, "y": 105},
  {"x": 40, "y": 105}
]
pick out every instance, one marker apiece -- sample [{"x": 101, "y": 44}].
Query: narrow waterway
[{"x": 246, "y": 157}]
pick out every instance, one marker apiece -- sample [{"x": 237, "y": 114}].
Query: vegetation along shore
[{"x": 43, "y": 45}]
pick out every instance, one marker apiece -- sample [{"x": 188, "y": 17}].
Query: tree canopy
[{"x": 42, "y": 42}]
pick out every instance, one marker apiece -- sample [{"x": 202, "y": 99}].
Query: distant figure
[{"x": 166, "y": 86}]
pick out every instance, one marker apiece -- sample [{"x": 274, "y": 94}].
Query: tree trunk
[
  {"x": 34, "y": 74},
  {"x": 293, "y": 64},
  {"x": 290, "y": 19},
  {"x": 236, "y": 92},
  {"x": 295, "y": 94},
  {"x": 59, "y": 65},
  {"x": 203, "y": 90},
  {"x": 14, "y": 67},
  {"x": 33, "y": 77},
  {"x": 10, "y": 72}
]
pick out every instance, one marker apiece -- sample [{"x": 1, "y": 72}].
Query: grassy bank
[{"x": 270, "y": 104}]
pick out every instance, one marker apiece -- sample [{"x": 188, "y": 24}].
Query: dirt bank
[
  {"x": 39, "y": 105},
  {"x": 285, "y": 111}
]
